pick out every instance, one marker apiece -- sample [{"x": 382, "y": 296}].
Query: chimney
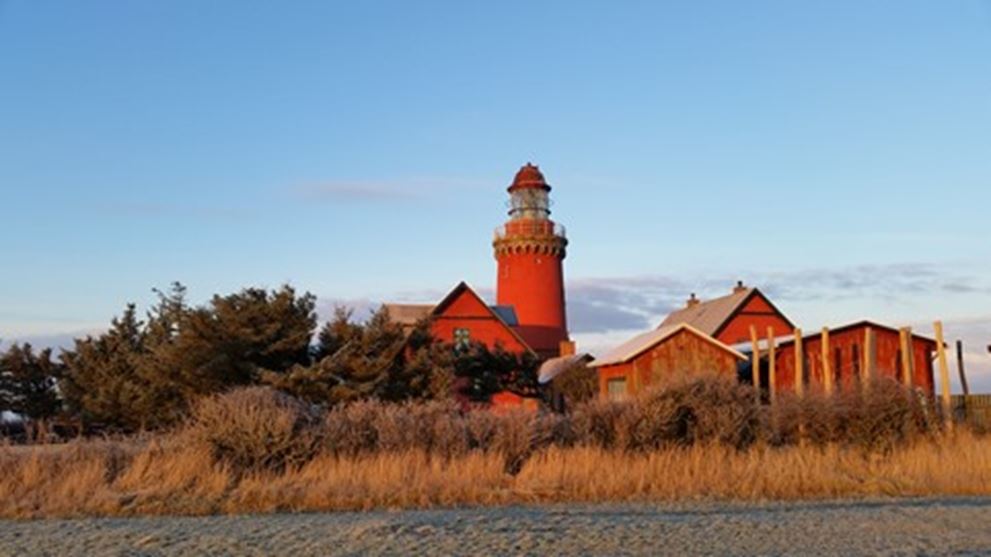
[
  {"x": 692, "y": 301},
  {"x": 567, "y": 348},
  {"x": 739, "y": 287}
]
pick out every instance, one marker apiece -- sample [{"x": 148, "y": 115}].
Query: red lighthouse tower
[{"x": 530, "y": 250}]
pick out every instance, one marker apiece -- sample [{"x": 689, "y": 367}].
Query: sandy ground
[{"x": 903, "y": 527}]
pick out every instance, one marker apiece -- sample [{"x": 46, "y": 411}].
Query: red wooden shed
[
  {"x": 847, "y": 357},
  {"x": 670, "y": 350}
]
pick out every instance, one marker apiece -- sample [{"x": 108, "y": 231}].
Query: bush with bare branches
[{"x": 255, "y": 428}]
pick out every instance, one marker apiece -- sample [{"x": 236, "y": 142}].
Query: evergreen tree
[
  {"x": 28, "y": 384},
  {"x": 336, "y": 333},
  {"x": 102, "y": 380},
  {"x": 237, "y": 337},
  {"x": 484, "y": 372},
  {"x": 376, "y": 359}
]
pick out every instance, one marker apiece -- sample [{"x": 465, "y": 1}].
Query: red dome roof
[{"x": 529, "y": 176}]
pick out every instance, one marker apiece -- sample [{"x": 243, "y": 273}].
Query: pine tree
[
  {"x": 372, "y": 360},
  {"x": 28, "y": 384},
  {"x": 102, "y": 383},
  {"x": 236, "y": 338}
]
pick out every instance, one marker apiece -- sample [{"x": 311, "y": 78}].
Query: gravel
[{"x": 960, "y": 526}]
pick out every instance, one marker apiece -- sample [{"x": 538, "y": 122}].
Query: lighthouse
[{"x": 530, "y": 250}]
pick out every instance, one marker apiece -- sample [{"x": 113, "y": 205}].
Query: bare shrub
[
  {"x": 350, "y": 429},
  {"x": 366, "y": 427},
  {"x": 696, "y": 409},
  {"x": 602, "y": 423},
  {"x": 875, "y": 417},
  {"x": 255, "y": 428}
]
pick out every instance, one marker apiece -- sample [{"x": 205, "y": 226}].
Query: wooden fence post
[
  {"x": 908, "y": 355},
  {"x": 772, "y": 380},
  {"x": 963, "y": 376},
  {"x": 799, "y": 364},
  {"x": 755, "y": 360},
  {"x": 870, "y": 357},
  {"x": 827, "y": 368},
  {"x": 944, "y": 375}
]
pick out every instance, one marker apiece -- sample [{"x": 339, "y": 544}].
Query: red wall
[
  {"x": 887, "y": 359},
  {"x": 755, "y": 312},
  {"x": 533, "y": 283},
  {"x": 681, "y": 353},
  {"x": 467, "y": 311}
]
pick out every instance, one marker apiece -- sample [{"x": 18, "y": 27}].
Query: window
[
  {"x": 855, "y": 360},
  {"x": 616, "y": 388},
  {"x": 462, "y": 338}
]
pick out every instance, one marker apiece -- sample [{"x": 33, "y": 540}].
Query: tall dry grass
[{"x": 258, "y": 451}]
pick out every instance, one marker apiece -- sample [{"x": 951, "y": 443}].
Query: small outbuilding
[
  {"x": 848, "y": 355},
  {"x": 664, "y": 352}
]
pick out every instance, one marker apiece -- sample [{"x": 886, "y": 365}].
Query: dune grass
[{"x": 258, "y": 451}]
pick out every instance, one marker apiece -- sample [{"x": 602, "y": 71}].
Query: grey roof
[
  {"x": 408, "y": 314},
  {"x": 553, "y": 367},
  {"x": 507, "y": 314},
  {"x": 710, "y": 315},
  {"x": 643, "y": 342}
]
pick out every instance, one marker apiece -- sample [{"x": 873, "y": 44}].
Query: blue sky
[{"x": 836, "y": 154}]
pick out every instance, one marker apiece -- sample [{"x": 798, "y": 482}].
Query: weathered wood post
[
  {"x": 963, "y": 380},
  {"x": 870, "y": 358},
  {"x": 772, "y": 379},
  {"x": 944, "y": 375},
  {"x": 827, "y": 369},
  {"x": 799, "y": 364},
  {"x": 908, "y": 355},
  {"x": 963, "y": 376},
  {"x": 755, "y": 361}
]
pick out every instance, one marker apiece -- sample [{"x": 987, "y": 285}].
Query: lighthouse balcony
[{"x": 530, "y": 228}]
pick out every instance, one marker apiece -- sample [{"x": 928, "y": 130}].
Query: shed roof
[
  {"x": 643, "y": 342},
  {"x": 862, "y": 324},
  {"x": 553, "y": 367}
]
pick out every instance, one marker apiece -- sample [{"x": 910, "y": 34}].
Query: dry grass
[
  {"x": 257, "y": 451},
  {"x": 89, "y": 479}
]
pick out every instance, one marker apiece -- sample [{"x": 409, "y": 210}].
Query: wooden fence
[{"x": 973, "y": 409}]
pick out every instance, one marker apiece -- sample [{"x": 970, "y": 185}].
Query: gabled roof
[
  {"x": 712, "y": 316},
  {"x": 410, "y": 314},
  {"x": 643, "y": 342},
  {"x": 462, "y": 288}
]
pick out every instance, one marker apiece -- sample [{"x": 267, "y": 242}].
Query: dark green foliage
[
  {"x": 236, "y": 337},
  {"x": 28, "y": 382},
  {"x": 142, "y": 375},
  {"x": 149, "y": 374},
  {"x": 484, "y": 372},
  {"x": 376, "y": 359},
  {"x": 103, "y": 380}
]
